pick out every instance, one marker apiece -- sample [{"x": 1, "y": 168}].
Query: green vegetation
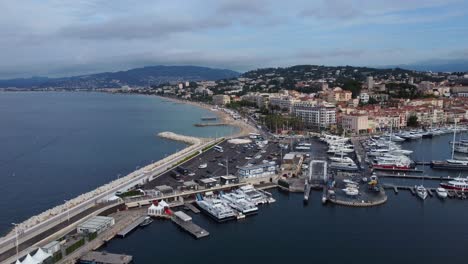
[
  {"x": 92, "y": 236},
  {"x": 276, "y": 121},
  {"x": 75, "y": 246},
  {"x": 412, "y": 121},
  {"x": 351, "y": 85},
  {"x": 403, "y": 90},
  {"x": 240, "y": 104},
  {"x": 57, "y": 257},
  {"x": 130, "y": 193}
]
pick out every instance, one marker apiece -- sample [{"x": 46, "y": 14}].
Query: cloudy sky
[{"x": 61, "y": 37}]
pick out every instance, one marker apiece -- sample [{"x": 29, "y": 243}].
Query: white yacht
[
  {"x": 351, "y": 191},
  {"x": 421, "y": 191},
  {"x": 441, "y": 192},
  {"x": 217, "y": 209},
  {"x": 239, "y": 202},
  {"x": 253, "y": 195},
  {"x": 342, "y": 159}
]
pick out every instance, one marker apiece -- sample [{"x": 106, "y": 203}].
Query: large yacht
[
  {"x": 239, "y": 202},
  {"x": 253, "y": 195},
  {"x": 459, "y": 183},
  {"x": 216, "y": 208}
]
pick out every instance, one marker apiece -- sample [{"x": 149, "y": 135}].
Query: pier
[
  {"x": 208, "y": 118},
  {"x": 185, "y": 222},
  {"x": 398, "y": 170},
  {"x": 210, "y": 124},
  {"x": 192, "y": 208},
  {"x": 131, "y": 226},
  {"x": 107, "y": 258}
]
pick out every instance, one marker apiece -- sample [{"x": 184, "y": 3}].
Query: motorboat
[
  {"x": 351, "y": 191},
  {"x": 441, "y": 192},
  {"x": 342, "y": 159},
  {"x": 459, "y": 184},
  {"x": 421, "y": 191},
  {"x": 239, "y": 202},
  {"x": 216, "y": 208},
  {"x": 344, "y": 166},
  {"x": 147, "y": 221}
]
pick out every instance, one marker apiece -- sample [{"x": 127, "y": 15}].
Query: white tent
[
  {"x": 163, "y": 203},
  {"x": 18, "y": 262},
  {"x": 156, "y": 210},
  {"x": 41, "y": 255},
  {"x": 29, "y": 260}
]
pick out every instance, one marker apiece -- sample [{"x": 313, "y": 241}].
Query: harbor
[{"x": 223, "y": 183}]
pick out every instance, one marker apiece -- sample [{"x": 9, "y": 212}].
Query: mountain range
[
  {"x": 146, "y": 76},
  {"x": 439, "y": 65}
]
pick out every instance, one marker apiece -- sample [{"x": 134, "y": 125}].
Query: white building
[
  {"x": 316, "y": 116},
  {"x": 262, "y": 170},
  {"x": 283, "y": 102},
  {"x": 95, "y": 224},
  {"x": 364, "y": 97}
]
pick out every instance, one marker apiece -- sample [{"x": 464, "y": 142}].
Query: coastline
[{"x": 244, "y": 129}]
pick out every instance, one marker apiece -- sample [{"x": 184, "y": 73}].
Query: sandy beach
[{"x": 244, "y": 128}]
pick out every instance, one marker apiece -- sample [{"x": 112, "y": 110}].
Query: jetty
[
  {"x": 131, "y": 226},
  {"x": 210, "y": 124},
  {"x": 104, "y": 257},
  {"x": 186, "y": 139},
  {"x": 208, "y": 118},
  {"x": 185, "y": 222}
]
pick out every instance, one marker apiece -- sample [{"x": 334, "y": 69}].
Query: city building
[
  {"x": 221, "y": 99},
  {"x": 370, "y": 83},
  {"x": 315, "y": 116},
  {"x": 364, "y": 98},
  {"x": 356, "y": 123}
]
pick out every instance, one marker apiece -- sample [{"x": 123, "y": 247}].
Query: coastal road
[{"x": 32, "y": 235}]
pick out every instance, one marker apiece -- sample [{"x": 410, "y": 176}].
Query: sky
[{"x": 63, "y": 38}]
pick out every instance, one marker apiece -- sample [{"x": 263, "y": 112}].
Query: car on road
[
  {"x": 191, "y": 174},
  {"x": 258, "y": 156},
  {"x": 248, "y": 157}
]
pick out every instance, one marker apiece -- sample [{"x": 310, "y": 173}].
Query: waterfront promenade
[{"x": 34, "y": 232}]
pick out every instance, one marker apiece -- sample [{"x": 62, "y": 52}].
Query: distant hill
[
  {"x": 145, "y": 76},
  {"x": 455, "y": 65}
]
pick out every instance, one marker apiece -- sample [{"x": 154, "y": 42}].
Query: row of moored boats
[{"x": 235, "y": 204}]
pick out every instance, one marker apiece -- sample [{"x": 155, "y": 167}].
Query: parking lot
[{"x": 234, "y": 155}]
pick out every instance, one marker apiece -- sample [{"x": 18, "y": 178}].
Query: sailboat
[{"x": 421, "y": 190}]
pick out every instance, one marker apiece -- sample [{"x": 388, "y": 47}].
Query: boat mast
[{"x": 454, "y": 136}]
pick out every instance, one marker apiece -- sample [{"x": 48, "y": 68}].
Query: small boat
[
  {"x": 441, "y": 192},
  {"x": 203, "y": 166},
  {"x": 351, "y": 191},
  {"x": 421, "y": 191},
  {"x": 148, "y": 220}
]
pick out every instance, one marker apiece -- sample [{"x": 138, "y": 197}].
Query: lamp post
[
  {"x": 68, "y": 210},
  {"x": 16, "y": 238}
]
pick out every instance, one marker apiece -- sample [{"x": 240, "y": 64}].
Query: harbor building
[
  {"x": 96, "y": 224},
  {"x": 230, "y": 179},
  {"x": 221, "y": 99},
  {"x": 261, "y": 170}
]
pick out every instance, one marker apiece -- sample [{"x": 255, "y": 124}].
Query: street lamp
[
  {"x": 16, "y": 238},
  {"x": 68, "y": 211}
]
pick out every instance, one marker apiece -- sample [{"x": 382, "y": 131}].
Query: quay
[
  {"x": 105, "y": 258},
  {"x": 398, "y": 170},
  {"x": 185, "y": 222},
  {"x": 131, "y": 226},
  {"x": 192, "y": 208},
  {"x": 425, "y": 177}
]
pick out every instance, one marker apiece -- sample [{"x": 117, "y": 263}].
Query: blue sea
[{"x": 55, "y": 146}]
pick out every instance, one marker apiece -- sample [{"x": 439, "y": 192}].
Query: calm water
[
  {"x": 55, "y": 146},
  {"x": 404, "y": 230}
]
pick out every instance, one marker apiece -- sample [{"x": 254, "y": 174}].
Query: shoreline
[{"x": 244, "y": 129}]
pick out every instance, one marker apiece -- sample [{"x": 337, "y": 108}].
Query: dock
[
  {"x": 307, "y": 188},
  {"x": 131, "y": 226},
  {"x": 208, "y": 118},
  {"x": 104, "y": 257},
  {"x": 398, "y": 170},
  {"x": 192, "y": 208},
  {"x": 404, "y": 176},
  {"x": 185, "y": 222}
]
